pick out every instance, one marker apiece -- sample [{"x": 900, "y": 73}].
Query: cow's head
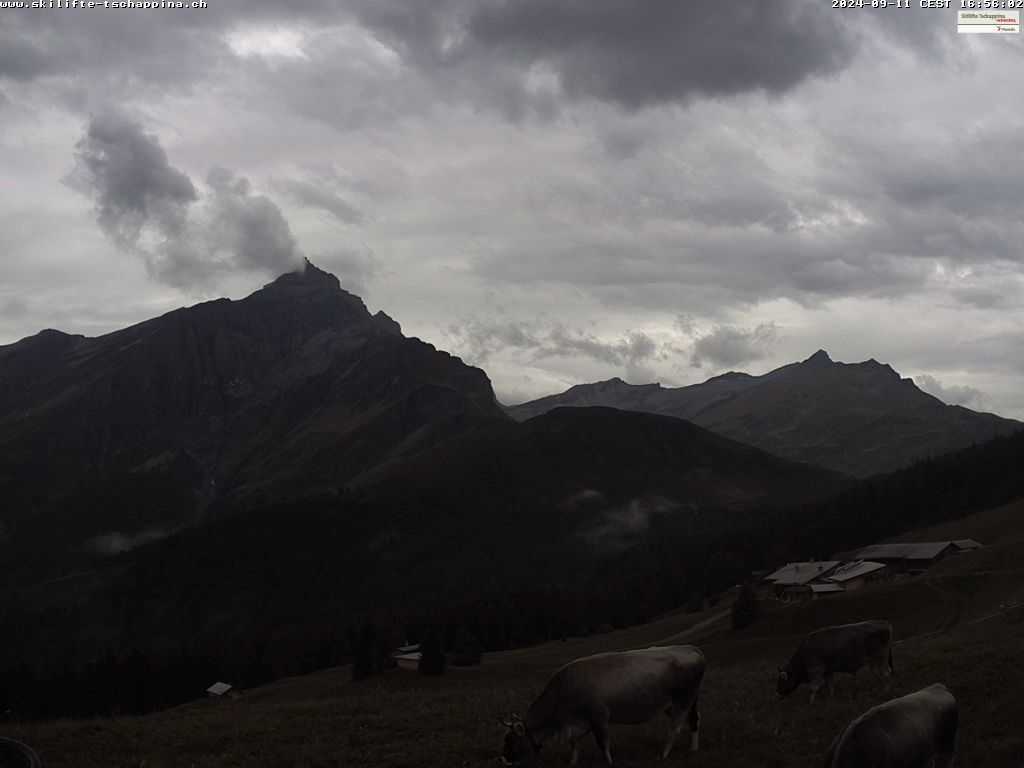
[
  {"x": 518, "y": 743},
  {"x": 787, "y": 683}
]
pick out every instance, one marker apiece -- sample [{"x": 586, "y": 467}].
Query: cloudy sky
[{"x": 555, "y": 190}]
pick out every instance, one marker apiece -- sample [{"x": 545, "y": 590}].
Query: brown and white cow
[
  {"x": 914, "y": 730},
  {"x": 629, "y": 687},
  {"x": 845, "y": 648}
]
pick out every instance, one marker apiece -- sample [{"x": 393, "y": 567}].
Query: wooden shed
[{"x": 221, "y": 690}]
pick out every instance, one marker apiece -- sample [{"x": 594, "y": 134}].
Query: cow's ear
[
  {"x": 519, "y": 728},
  {"x": 506, "y": 723}
]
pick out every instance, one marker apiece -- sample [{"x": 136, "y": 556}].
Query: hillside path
[{"x": 673, "y": 639}]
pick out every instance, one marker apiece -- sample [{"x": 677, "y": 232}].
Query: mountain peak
[
  {"x": 311, "y": 286},
  {"x": 819, "y": 358},
  {"x": 308, "y": 275}
]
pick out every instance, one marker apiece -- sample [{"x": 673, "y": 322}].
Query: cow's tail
[{"x": 892, "y": 669}]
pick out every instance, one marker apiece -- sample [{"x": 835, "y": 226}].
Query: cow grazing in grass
[
  {"x": 846, "y": 648},
  {"x": 914, "y": 730},
  {"x": 629, "y": 687}
]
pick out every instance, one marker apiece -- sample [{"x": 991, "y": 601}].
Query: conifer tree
[
  {"x": 432, "y": 657},
  {"x": 363, "y": 658},
  {"x": 747, "y": 608}
]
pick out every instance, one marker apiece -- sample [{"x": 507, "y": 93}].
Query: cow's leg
[
  {"x": 881, "y": 670},
  {"x": 574, "y": 753},
  {"x": 601, "y": 737},
  {"x": 882, "y": 674},
  {"x": 816, "y": 683},
  {"x": 676, "y": 721},
  {"x": 944, "y": 761},
  {"x": 574, "y": 734},
  {"x": 830, "y": 685}
]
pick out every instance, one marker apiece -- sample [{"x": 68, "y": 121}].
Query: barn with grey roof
[{"x": 914, "y": 557}]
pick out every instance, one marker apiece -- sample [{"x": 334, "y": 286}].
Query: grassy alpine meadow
[{"x": 955, "y": 625}]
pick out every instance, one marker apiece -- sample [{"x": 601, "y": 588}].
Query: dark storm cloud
[
  {"x": 151, "y": 209},
  {"x": 133, "y": 183},
  {"x": 527, "y": 55},
  {"x": 631, "y": 53},
  {"x": 653, "y": 51},
  {"x": 519, "y": 58},
  {"x": 728, "y": 347}
]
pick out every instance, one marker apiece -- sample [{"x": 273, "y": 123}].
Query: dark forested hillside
[{"x": 284, "y": 589}]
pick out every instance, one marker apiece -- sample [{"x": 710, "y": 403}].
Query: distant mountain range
[{"x": 859, "y": 419}]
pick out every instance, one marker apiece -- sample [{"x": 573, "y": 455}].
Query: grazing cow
[
  {"x": 629, "y": 687},
  {"x": 845, "y": 648},
  {"x": 914, "y": 730}
]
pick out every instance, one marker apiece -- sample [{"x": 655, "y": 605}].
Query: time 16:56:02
[{"x": 991, "y": 4}]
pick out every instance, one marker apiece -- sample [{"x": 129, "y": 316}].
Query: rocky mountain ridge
[
  {"x": 294, "y": 390},
  {"x": 856, "y": 418}
]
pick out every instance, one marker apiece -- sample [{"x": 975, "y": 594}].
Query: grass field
[{"x": 949, "y": 625}]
